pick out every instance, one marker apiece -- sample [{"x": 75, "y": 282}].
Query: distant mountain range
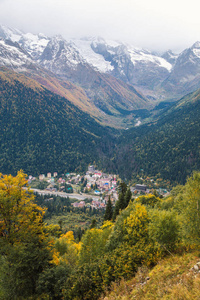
[
  {"x": 109, "y": 78},
  {"x": 59, "y": 66}
]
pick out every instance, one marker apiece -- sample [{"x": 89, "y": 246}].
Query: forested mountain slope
[
  {"x": 41, "y": 131},
  {"x": 168, "y": 148}
]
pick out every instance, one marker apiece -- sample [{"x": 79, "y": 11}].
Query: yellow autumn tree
[
  {"x": 20, "y": 217},
  {"x": 66, "y": 250},
  {"x": 188, "y": 202},
  {"x": 24, "y": 250},
  {"x": 94, "y": 242}
]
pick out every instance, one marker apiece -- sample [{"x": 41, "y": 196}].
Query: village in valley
[{"x": 94, "y": 185}]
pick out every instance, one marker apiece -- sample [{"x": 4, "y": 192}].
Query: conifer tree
[
  {"x": 93, "y": 224},
  {"x": 128, "y": 196},
  {"x": 116, "y": 210},
  {"x": 109, "y": 211},
  {"x": 122, "y": 188},
  {"x": 121, "y": 203}
]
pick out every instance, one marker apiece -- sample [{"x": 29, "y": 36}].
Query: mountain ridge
[
  {"x": 105, "y": 101},
  {"x": 166, "y": 76}
]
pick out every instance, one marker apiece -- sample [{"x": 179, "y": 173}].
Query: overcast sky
[{"x": 153, "y": 24}]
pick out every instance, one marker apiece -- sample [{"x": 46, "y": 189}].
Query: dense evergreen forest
[
  {"x": 42, "y": 132},
  {"x": 168, "y": 147},
  {"x": 42, "y": 262}
]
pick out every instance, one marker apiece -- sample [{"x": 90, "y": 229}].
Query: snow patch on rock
[{"x": 94, "y": 59}]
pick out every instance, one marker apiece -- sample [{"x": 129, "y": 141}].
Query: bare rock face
[
  {"x": 196, "y": 268},
  {"x": 136, "y": 66},
  {"x": 13, "y": 56},
  {"x": 170, "y": 57},
  {"x": 185, "y": 75}
]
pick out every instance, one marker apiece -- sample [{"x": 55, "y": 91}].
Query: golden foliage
[
  {"x": 66, "y": 250},
  {"x": 20, "y": 217}
]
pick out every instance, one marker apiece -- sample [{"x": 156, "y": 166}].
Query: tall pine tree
[
  {"x": 109, "y": 210},
  {"x": 121, "y": 203}
]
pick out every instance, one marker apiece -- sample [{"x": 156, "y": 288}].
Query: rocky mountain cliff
[
  {"x": 185, "y": 75},
  {"x": 158, "y": 76}
]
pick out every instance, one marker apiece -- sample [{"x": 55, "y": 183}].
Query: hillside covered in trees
[
  {"x": 168, "y": 147},
  {"x": 42, "y": 262},
  {"x": 43, "y": 132}
]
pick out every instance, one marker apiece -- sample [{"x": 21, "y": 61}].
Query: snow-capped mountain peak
[
  {"x": 10, "y": 33},
  {"x": 105, "y": 56},
  {"x": 145, "y": 56},
  {"x": 196, "y": 45},
  {"x": 146, "y": 70},
  {"x": 170, "y": 57},
  {"x": 11, "y": 55},
  {"x": 34, "y": 44},
  {"x": 196, "y": 49},
  {"x": 84, "y": 47},
  {"x": 60, "y": 53}
]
